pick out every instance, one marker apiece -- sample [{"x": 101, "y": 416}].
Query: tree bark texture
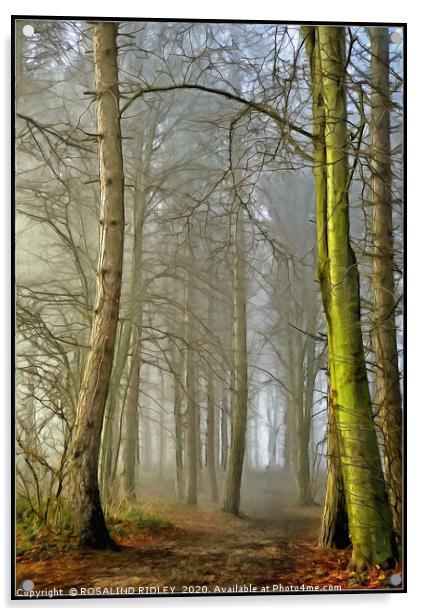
[
  {"x": 388, "y": 391},
  {"x": 369, "y": 516},
  {"x": 210, "y": 444},
  {"x": 192, "y": 411},
  {"x": 239, "y": 417},
  {"x": 334, "y": 532},
  {"x": 87, "y": 516}
]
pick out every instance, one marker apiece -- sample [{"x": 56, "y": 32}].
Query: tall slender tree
[
  {"x": 388, "y": 392},
  {"x": 192, "y": 470},
  {"x": 239, "y": 416},
  {"x": 87, "y": 515},
  {"x": 369, "y": 516},
  {"x": 131, "y": 417},
  {"x": 179, "y": 433},
  {"x": 210, "y": 443}
]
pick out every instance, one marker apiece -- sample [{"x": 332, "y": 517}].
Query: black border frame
[{"x": 402, "y": 25}]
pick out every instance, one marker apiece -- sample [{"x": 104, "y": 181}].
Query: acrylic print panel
[{"x": 209, "y": 358}]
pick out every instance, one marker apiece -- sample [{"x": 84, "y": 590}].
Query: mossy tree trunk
[
  {"x": 389, "y": 398},
  {"x": 87, "y": 515},
  {"x": 369, "y": 517}
]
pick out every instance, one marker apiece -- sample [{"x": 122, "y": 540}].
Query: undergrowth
[{"x": 39, "y": 538}]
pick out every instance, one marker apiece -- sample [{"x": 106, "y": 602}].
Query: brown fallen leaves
[{"x": 200, "y": 548}]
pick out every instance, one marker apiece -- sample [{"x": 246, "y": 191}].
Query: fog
[{"x": 220, "y": 238}]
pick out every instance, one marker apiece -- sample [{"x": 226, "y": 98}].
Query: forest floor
[{"x": 199, "y": 550}]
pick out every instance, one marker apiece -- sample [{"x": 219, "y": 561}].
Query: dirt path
[{"x": 204, "y": 548}]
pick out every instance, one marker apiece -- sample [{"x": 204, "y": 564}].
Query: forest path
[{"x": 205, "y": 548}]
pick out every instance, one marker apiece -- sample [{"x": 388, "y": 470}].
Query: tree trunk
[
  {"x": 301, "y": 387},
  {"x": 288, "y": 438},
  {"x": 224, "y": 432},
  {"x": 192, "y": 415},
  {"x": 146, "y": 434},
  {"x": 384, "y": 333},
  {"x": 370, "y": 523},
  {"x": 303, "y": 475},
  {"x": 257, "y": 457},
  {"x": 111, "y": 415},
  {"x": 334, "y": 528},
  {"x": 304, "y": 424},
  {"x": 192, "y": 439},
  {"x": 239, "y": 419},
  {"x": 211, "y": 457},
  {"x": 301, "y": 430},
  {"x": 179, "y": 468},
  {"x": 272, "y": 448},
  {"x": 200, "y": 447},
  {"x": 272, "y": 429},
  {"x": 131, "y": 418},
  {"x": 135, "y": 314},
  {"x": 87, "y": 516},
  {"x": 162, "y": 447}
]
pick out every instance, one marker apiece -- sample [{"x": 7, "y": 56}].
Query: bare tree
[{"x": 87, "y": 515}]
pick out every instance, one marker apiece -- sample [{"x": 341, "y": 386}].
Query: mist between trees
[{"x": 209, "y": 282}]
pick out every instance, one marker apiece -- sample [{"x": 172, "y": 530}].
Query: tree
[
  {"x": 369, "y": 517},
  {"x": 179, "y": 429},
  {"x": 87, "y": 516},
  {"x": 109, "y": 446},
  {"x": 334, "y": 532},
  {"x": 140, "y": 206},
  {"x": 192, "y": 410},
  {"x": 389, "y": 398},
  {"x": 303, "y": 408},
  {"x": 211, "y": 428},
  {"x": 239, "y": 418}
]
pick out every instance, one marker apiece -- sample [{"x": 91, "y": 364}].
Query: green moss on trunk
[{"x": 369, "y": 518}]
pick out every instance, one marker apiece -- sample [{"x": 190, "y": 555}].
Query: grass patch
[
  {"x": 124, "y": 517},
  {"x": 36, "y": 538}
]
